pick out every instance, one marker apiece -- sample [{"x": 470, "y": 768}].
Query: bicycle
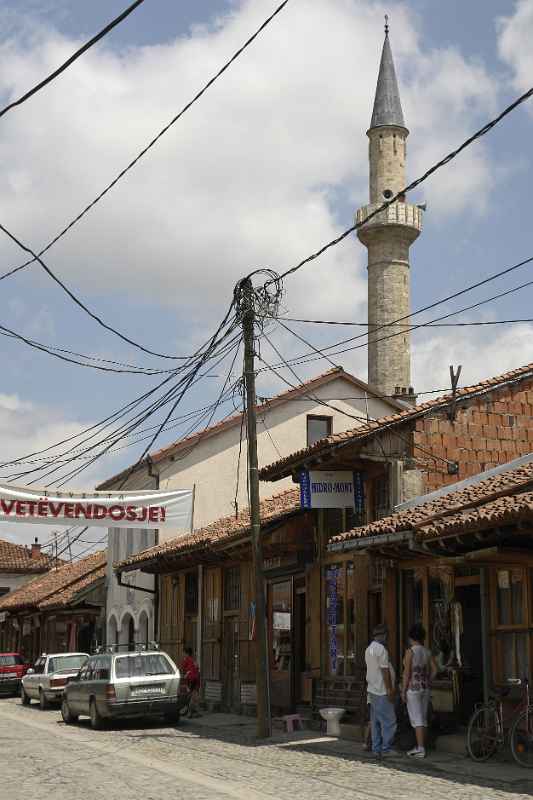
[{"x": 486, "y": 732}]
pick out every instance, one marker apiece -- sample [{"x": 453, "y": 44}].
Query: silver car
[
  {"x": 114, "y": 685},
  {"x": 47, "y": 679}
]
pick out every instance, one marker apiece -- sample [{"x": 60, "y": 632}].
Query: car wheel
[
  {"x": 96, "y": 719},
  {"x": 66, "y": 713},
  {"x": 24, "y": 698},
  {"x": 43, "y": 702}
]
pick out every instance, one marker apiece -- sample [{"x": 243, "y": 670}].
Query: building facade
[
  {"x": 19, "y": 564},
  {"x": 210, "y": 462}
]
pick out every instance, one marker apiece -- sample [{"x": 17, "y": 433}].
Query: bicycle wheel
[
  {"x": 484, "y": 734},
  {"x": 522, "y": 738}
]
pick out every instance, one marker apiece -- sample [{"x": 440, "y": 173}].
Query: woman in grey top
[{"x": 419, "y": 669}]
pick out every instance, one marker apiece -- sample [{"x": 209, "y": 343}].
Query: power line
[
  {"x": 406, "y": 327},
  {"x": 74, "y": 57},
  {"x": 151, "y": 144},
  {"x": 446, "y": 160},
  {"x": 305, "y": 359},
  {"x": 57, "y": 352},
  {"x": 80, "y": 303}
]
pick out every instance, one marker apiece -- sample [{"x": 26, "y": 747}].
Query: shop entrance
[
  {"x": 471, "y": 648},
  {"x": 300, "y": 639}
]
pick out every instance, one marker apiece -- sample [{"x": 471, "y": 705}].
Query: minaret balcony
[{"x": 400, "y": 214}]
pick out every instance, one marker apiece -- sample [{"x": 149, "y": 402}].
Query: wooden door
[
  {"x": 280, "y": 624},
  {"x": 230, "y": 678}
]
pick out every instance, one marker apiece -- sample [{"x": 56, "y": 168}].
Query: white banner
[{"x": 141, "y": 509}]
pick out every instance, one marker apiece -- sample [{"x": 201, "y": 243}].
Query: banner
[
  {"x": 140, "y": 509},
  {"x": 331, "y": 489}
]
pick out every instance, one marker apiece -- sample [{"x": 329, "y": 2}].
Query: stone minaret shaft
[{"x": 388, "y": 237}]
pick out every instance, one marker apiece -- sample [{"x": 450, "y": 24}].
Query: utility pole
[{"x": 247, "y": 309}]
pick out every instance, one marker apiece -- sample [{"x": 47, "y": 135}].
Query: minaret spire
[
  {"x": 388, "y": 237},
  {"x": 387, "y": 105}
]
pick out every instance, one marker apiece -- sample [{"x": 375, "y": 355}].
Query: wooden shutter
[
  {"x": 314, "y": 607},
  {"x": 171, "y": 617},
  {"x": 212, "y": 624},
  {"x": 246, "y": 646}
]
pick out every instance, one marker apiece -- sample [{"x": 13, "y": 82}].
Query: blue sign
[
  {"x": 359, "y": 492},
  {"x": 331, "y": 592},
  {"x": 305, "y": 489}
]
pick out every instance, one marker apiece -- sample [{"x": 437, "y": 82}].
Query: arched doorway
[
  {"x": 131, "y": 634},
  {"x": 143, "y": 628}
]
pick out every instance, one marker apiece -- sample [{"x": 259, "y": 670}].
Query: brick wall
[{"x": 491, "y": 430}]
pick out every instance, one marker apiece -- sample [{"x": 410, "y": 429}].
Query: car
[
  {"x": 116, "y": 685},
  {"x": 13, "y": 667},
  {"x": 47, "y": 679}
]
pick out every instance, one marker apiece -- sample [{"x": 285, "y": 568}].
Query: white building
[
  {"x": 19, "y": 564},
  {"x": 208, "y": 462}
]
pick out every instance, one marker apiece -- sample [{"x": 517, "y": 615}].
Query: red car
[{"x": 13, "y": 667}]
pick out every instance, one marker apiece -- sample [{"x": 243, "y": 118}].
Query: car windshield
[
  {"x": 142, "y": 665},
  {"x": 10, "y": 661},
  {"x": 61, "y": 663}
]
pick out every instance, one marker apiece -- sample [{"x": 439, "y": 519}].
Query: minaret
[{"x": 388, "y": 237}]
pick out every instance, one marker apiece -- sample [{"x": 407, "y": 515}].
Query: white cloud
[
  {"x": 515, "y": 33},
  {"x": 482, "y": 352},
  {"x": 246, "y": 179}
]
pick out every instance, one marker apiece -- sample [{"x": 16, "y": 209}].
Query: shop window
[
  {"x": 340, "y": 614},
  {"x": 510, "y": 596},
  {"x": 318, "y": 428},
  {"x": 512, "y": 640},
  {"x": 232, "y": 588},
  {"x": 191, "y": 593}
]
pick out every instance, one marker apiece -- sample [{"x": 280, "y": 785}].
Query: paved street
[{"x": 42, "y": 758}]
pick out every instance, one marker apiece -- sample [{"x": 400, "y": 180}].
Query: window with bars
[
  {"x": 232, "y": 588},
  {"x": 381, "y": 497},
  {"x": 340, "y": 616},
  {"x": 191, "y": 593}
]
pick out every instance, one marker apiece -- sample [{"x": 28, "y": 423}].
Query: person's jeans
[{"x": 383, "y": 721}]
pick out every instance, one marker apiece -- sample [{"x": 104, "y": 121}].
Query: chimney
[{"x": 36, "y": 549}]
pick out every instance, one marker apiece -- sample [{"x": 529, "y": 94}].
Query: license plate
[{"x": 147, "y": 690}]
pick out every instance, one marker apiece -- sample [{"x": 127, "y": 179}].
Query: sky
[{"x": 269, "y": 165}]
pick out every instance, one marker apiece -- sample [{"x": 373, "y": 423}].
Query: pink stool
[{"x": 293, "y": 722}]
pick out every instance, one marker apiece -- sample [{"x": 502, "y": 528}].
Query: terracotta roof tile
[
  {"x": 40, "y": 589},
  {"x": 17, "y": 558},
  {"x": 219, "y": 532},
  {"x": 478, "y": 501},
  {"x": 65, "y": 596},
  {"x": 362, "y": 432}
]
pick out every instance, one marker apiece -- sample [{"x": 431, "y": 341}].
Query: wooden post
[{"x": 261, "y": 650}]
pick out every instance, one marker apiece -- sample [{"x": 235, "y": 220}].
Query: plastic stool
[{"x": 293, "y": 722}]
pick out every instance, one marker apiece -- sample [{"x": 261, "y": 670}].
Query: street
[{"x": 42, "y": 758}]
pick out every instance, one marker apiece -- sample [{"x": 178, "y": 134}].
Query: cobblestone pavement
[{"x": 41, "y": 757}]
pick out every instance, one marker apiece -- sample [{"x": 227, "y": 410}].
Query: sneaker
[
  {"x": 391, "y": 754},
  {"x": 417, "y": 752}
]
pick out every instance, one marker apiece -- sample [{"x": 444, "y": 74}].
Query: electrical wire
[
  {"x": 74, "y": 57},
  {"x": 81, "y": 304},
  {"x": 424, "y": 325},
  {"x": 151, "y": 144},
  {"x": 303, "y": 358},
  {"x": 57, "y": 352},
  {"x": 413, "y": 185}
]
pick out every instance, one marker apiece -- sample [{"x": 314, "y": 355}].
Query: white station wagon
[{"x": 47, "y": 679}]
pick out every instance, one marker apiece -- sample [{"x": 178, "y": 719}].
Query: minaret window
[{"x": 387, "y": 194}]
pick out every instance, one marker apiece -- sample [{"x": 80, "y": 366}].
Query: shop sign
[{"x": 331, "y": 489}]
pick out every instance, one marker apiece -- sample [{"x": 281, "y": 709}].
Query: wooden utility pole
[{"x": 261, "y": 650}]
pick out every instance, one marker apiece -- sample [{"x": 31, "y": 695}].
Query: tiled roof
[
  {"x": 280, "y": 468},
  {"x": 220, "y": 532},
  {"x": 478, "y": 503},
  {"x": 41, "y": 589},
  {"x": 65, "y": 596},
  {"x": 17, "y": 558},
  {"x": 235, "y": 419}
]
